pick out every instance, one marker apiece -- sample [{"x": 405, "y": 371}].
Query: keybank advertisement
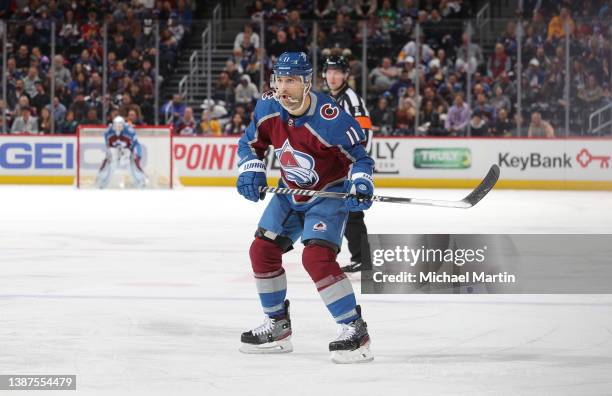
[
  {"x": 524, "y": 163},
  {"x": 520, "y": 160}
]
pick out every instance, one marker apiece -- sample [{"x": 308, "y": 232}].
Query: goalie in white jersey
[{"x": 122, "y": 148}]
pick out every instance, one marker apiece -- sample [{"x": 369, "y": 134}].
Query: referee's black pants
[{"x": 355, "y": 228}]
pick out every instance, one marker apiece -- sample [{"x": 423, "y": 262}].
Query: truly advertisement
[{"x": 442, "y": 158}]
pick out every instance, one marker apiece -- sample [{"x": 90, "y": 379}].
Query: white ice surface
[{"x": 147, "y": 292}]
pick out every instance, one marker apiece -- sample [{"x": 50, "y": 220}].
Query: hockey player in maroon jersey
[{"x": 318, "y": 146}]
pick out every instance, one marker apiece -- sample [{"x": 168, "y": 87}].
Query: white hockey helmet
[{"x": 118, "y": 124}]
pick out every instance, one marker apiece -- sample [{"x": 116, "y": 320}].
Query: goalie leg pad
[
  {"x": 138, "y": 175},
  {"x": 105, "y": 174}
]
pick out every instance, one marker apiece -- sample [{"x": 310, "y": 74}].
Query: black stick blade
[{"x": 484, "y": 187}]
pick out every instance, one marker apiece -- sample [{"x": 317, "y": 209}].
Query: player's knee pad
[
  {"x": 319, "y": 260},
  {"x": 283, "y": 242},
  {"x": 266, "y": 256}
]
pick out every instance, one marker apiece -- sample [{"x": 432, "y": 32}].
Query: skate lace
[
  {"x": 267, "y": 326},
  {"x": 345, "y": 332}
]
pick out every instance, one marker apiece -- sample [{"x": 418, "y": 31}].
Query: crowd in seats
[
  {"x": 440, "y": 57},
  {"x": 77, "y": 79}
]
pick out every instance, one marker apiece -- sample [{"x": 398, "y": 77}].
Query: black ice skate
[
  {"x": 353, "y": 267},
  {"x": 353, "y": 342},
  {"x": 273, "y": 336}
]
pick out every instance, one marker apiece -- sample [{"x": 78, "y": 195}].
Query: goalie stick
[{"x": 472, "y": 198}]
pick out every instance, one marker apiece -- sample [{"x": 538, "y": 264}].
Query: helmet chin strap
[{"x": 300, "y": 110}]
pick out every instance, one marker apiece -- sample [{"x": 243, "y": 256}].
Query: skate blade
[
  {"x": 361, "y": 355},
  {"x": 282, "y": 346}
]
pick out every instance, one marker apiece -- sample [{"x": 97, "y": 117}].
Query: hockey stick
[{"x": 472, "y": 199}]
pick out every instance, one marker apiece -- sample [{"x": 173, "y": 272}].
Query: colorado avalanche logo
[
  {"x": 297, "y": 166},
  {"x": 329, "y": 112}
]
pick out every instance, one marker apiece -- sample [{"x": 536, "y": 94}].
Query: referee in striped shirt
[{"x": 336, "y": 73}]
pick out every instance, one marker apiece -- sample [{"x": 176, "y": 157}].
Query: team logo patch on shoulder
[
  {"x": 267, "y": 95},
  {"x": 320, "y": 226},
  {"x": 329, "y": 112},
  {"x": 298, "y": 167}
]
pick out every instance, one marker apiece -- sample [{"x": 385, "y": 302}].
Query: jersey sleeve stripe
[{"x": 350, "y": 137}]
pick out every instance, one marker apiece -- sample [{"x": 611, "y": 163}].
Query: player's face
[
  {"x": 290, "y": 91},
  {"x": 335, "y": 78}
]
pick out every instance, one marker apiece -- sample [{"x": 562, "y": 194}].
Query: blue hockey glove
[
  {"x": 362, "y": 188},
  {"x": 252, "y": 175}
]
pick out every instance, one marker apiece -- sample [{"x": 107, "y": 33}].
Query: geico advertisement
[
  {"x": 213, "y": 157},
  {"x": 25, "y": 155},
  {"x": 523, "y": 159}
]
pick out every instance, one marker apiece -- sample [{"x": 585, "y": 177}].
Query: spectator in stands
[
  {"x": 70, "y": 125},
  {"x": 176, "y": 29},
  {"x": 208, "y": 124},
  {"x": 534, "y": 75},
  {"x": 383, "y": 76},
  {"x": 498, "y": 62},
  {"x": 429, "y": 118},
  {"x": 405, "y": 117},
  {"x": 40, "y": 99},
  {"x": 439, "y": 104},
  {"x": 236, "y": 126},
  {"x": 25, "y": 123},
  {"x": 247, "y": 36},
  {"x": 383, "y": 117},
  {"x": 557, "y": 25},
  {"x": 29, "y": 38},
  {"x": 591, "y": 94},
  {"x": 410, "y": 51},
  {"x": 23, "y": 59},
  {"x": 324, "y": 9},
  {"x": 500, "y": 101},
  {"x": 278, "y": 12},
  {"x": 471, "y": 49},
  {"x": 187, "y": 124},
  {"x": 484, "y": 108},
  {"x": 58, "y": 111},
  {"x": 69, "y": 30},
  {"x": 79, "y": 107},
  {"x": 15, "y": 94},
  {"x": 224, "y": 89},
  {"x": 12, "y": 73},
  {"x": 539, "y": 127},
  {"x": 478, "y": 125},
  {"x": 133, "y": 118},
  {"x": 44, "y": 121},
  {"x": 185, "y": 15},
  {"x": 340, "y": 35},
  {"x": 365, "y": 8},
  {"x": 30, "y": 80},
  {"x": 62, "y": 74},
  {"x": 232, "y": 71},
  {"x": 173, "y": 110},
  {"x": 503, "y": 126},
  {"x": 246, "y": 92},
  {"x": 458, "y": 116}
]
